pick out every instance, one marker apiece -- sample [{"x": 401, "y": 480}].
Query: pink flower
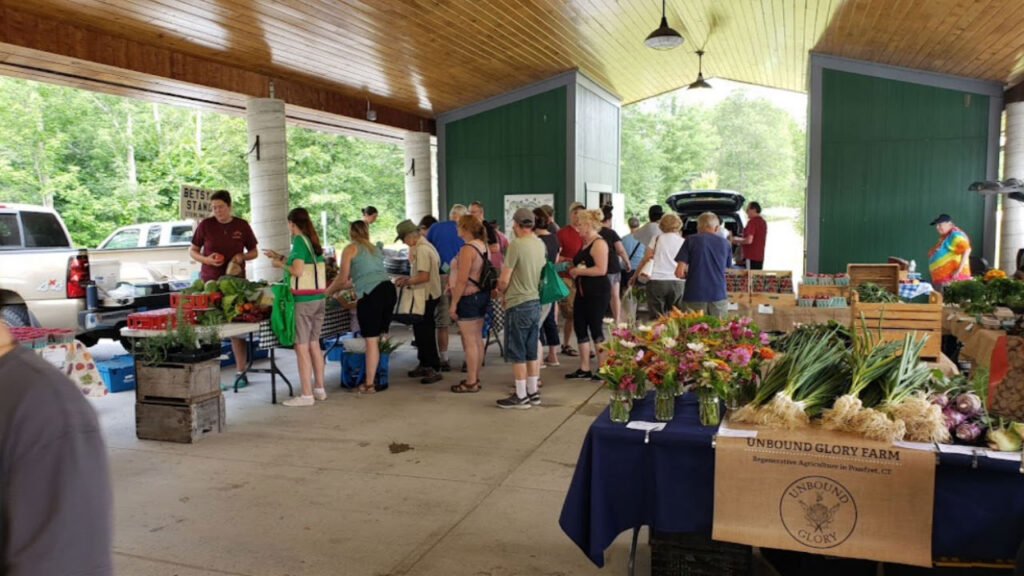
[
  {"x": 700, "y": 327},
  {"x": 741, "y": 356},
  {"x": 658, "y": 330},
  {"x": 639, "y": 356},
  {"x": 764, "y": 339}
]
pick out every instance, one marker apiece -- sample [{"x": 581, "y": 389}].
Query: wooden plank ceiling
[{"x": 424, "y": 57}]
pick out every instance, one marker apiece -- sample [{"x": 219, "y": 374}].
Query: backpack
[{"x": 488, "y": 274}]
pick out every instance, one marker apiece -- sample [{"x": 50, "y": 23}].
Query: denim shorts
[
  {"x": 473, "y": 307},
  {"x": 522, "y": 332}
]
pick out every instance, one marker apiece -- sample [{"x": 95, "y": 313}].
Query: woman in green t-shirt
[{"x": 309, "y": 308}]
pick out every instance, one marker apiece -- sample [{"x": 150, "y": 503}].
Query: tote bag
[
  {"x": 552, "y": 289},
  {"x": 314, "y": 276},
  {"x": 411, "y": 305},
  {"x": 282, "y": 316}
]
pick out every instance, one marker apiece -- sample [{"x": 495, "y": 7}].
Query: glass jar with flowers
[
  {"x": 713, "y": 384},
  {"x": 622, "y": 372}
]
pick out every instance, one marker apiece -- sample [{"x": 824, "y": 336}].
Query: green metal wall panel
[
  {"x": 519, "y": 148},
  {"x": 894, "y": 155}
]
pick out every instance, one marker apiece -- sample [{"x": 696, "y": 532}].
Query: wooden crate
[
  {"x": 738, "y": 297},
  {"x": 893, "y": 321},
  {"x": 184, "y": 423},
  {"x": 776, "y": 300},
  {"x": 885, "y": 275},
  {"x": 177, "y": 383},
  {"x": 810, "y": 291}
]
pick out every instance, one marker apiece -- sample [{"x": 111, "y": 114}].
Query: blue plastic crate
[
  {"x": 118, "y": 373},
  {"x": 353, "y": 368}
]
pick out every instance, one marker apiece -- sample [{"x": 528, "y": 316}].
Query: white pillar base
[{"x": 419, "y": 200}]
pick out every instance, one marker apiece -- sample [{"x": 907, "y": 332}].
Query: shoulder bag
[
  {"x": 411, "y": 305},
  {"x": 552, "y": 289},
  {"x": 314, "y": 276}
]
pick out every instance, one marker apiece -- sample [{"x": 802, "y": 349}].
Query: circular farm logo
[{"x": 818, "y": 512}]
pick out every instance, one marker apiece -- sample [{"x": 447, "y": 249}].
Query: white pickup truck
[
  {"x": 152, "y": 252},
  {"x": 44, "y": 278}
]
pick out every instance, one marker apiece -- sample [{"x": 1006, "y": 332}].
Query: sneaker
[
  {"x": 320, "y": 394},
  {"x": 514, "y": 401},
  {"x": 418, "y": 372},
  {"x": 551, "y": 364},
  {"x": 534, "y": 398},
  {"x": 300, "y": 401},
  {"x": 430, "y": 376},
  {"x": 446, "y": 367},
  {"x": 579, "y": 374}
]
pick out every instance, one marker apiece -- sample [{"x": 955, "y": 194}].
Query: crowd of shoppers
[{"x": 461, "y": 269}]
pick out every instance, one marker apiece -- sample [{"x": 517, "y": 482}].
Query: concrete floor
[{"x": 329, "y": 489}]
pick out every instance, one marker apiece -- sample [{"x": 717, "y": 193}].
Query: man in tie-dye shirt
[{"x": 949, "y": 259}]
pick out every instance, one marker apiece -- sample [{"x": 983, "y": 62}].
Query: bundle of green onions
[{"x": 801, "y": 384}]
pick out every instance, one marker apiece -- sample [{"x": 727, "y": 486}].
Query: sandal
[
  {"x": 569, "y": 351},
  {"x": 466, "y": 388},
  {"x": 366, "y": 389}
]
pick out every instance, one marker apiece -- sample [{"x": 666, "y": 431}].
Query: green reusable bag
[
  {"x": 282, "y": 317},
  {"x": 552, "y": 289}
]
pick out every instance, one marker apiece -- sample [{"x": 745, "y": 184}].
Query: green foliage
[
  {"x": 104, "y": 162},
  {"x": 744, "y": 144}
]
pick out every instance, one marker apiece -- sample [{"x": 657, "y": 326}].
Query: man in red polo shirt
[
  {"x": 570, "y": 242},
  {"x": 753, "y": 238}
]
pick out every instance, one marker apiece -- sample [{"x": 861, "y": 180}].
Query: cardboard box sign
[
  {"x": 195, "y": 203},
  {"x": 825, "y": 492}
]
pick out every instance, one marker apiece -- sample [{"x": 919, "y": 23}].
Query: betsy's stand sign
[
  {"x": 825, "y": 492},
  {"x": 195, "y": 203}
]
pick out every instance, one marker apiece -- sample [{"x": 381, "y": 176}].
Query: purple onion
[
  {"x": 968, "y": 403},
  {"x": 969, "y": 431},
  {"x": 939, "y": 399},
  {"x": 952, "y": 417}
]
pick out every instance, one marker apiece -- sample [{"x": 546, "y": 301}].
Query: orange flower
[
  {"x": 766, "y": 353},
  {"x": 993, "y": 274}
]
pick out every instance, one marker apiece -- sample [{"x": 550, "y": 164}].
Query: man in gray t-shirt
[{"x": 55, "y": 501}]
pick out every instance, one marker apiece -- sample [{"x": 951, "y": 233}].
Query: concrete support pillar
[
  {"x": 268, "y": 182},
  {"x": 1012, "y": 234},
  {"x": 419, "y": 176}
]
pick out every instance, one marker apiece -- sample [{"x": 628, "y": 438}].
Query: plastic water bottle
[{"x": 913, "y": 266}]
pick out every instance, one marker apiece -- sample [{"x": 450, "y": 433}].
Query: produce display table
[
  {"x": 980, "y": 343},
  {"x": 627, "y": 478}
]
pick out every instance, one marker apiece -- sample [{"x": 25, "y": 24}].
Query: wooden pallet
[
  {"x": 812, "y": 290},
  {"x": 894, "y": 321},
  {"x": 177, "y": 383},
  {"x": 183, "y": 423},
  {"x": 776, "y": 300}
]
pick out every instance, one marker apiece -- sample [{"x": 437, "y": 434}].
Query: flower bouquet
[{"x": 622, "y": 372}]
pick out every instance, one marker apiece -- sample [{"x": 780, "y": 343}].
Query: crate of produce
[
  {"x": 177, "y": 383},
  {"x": 200, "y": 301},
  {"x": 804, "y": 302},
  {"x": 885, "y": 275},
  {"x": 118, "y": 373},
  {"x": 738, "y": 297},
  {"x": 184, "y": 423},
  {"x": 891, "y": 321},
  {"x": 736, "y": 281},
  {"x": 161, "y": 319},
  {"x": 696, "y": 554},
  {"x": 771, "y": 281}
]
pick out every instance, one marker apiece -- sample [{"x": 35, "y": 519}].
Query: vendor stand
[
  {"x": 627, "y": 478},
  {"x": 260, "y": 336}
]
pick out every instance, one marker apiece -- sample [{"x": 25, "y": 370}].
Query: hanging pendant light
[
  {"x": 699, "y": 82},
  {"x": 664, "y": 38}
]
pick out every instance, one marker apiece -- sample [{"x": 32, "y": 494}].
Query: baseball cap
[
  {"x": 547, "y": 209},
  {"x": 523, "y": 217},
  {"x": 940, "y": 219},
  {"x": 406, "y": 227},
  {"x": 655, "y": 212},
  {"x": 576, "y": 205}
]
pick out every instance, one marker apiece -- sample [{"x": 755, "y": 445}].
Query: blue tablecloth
[{"x": 668, "y": 484}]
